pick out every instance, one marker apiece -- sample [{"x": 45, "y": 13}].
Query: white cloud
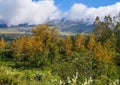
[
  {"x": 79, "y": 10},
  {"x": 14, "y": 12}
]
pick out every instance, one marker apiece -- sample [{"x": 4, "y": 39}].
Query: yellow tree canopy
[
  {"x": 80, "y": 42},
  {"x": 68, "y": 45},
  {"x": 43, "y": 38},
  {"x": 92, "y": 42},
  {"x": 103, "y": 53},
  {"x": 2, "y": 44}
]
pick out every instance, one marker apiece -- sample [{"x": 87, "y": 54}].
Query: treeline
[{"x": 95, "y": 56}]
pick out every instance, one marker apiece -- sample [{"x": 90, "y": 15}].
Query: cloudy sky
[{"x": 14, "y": 12}]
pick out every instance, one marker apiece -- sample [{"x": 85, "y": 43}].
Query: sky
[
  {"x": 65, "y": 5},
  {"x": 14, "y": 12}
]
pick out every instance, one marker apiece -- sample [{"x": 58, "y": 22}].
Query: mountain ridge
[{"x": 63, "y": 25}]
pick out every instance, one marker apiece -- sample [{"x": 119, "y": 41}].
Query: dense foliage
[{"x": 71, "y": 60}]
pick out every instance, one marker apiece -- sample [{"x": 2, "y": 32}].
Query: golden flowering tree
[
  {"x": 80, "y": 42},
  {"x": 103, "y": 53},
  {"x": 2, "y": 44},
  {"x": 17, "y": 47},
  {"x": 68, "y": 45},
  {"x": 92, "y": 42},
  {"x": 43, "y": 41}
]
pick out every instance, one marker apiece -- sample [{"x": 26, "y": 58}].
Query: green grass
[{"x": 12, "y": 73}]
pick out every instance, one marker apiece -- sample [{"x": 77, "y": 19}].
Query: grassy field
[{"x": 12, "y": 73}]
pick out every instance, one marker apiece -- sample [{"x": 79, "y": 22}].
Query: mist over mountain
[
  {"x": 63, "y": 25},
  {"x": 72, "y": 26}
]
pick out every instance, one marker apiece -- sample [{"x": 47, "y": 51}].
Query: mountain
[
  {"x": 72, "y": 26},
  {"x": 63, "y": 25},
  {"x": 3, "y": 26}
]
